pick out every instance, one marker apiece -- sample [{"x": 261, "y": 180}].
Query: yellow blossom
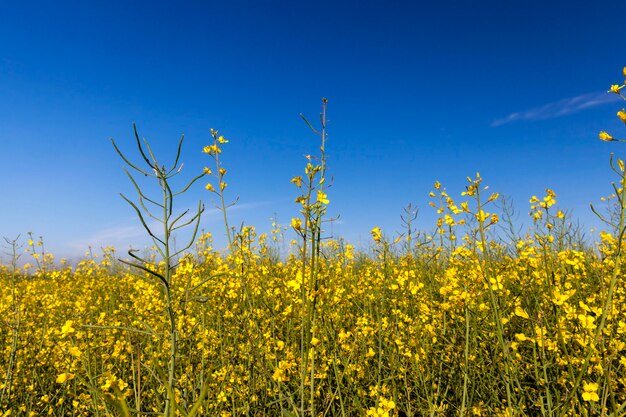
[
  {"x": 68, "y": 328},
  {"x": 481, "y": 216},
  {"x": 520, "y": 312},
  {"x": 75, "y": 351},
  {"x": 605, "y": 136},
  {"x": 321, "y": 197},
  {"x": 296, "y": 223},
  {"x": 377, "y": 234},
  {"x": 590, "y": 392},
  {"x": 297, "y": 181},
  {"x": 62, "y": 378}
]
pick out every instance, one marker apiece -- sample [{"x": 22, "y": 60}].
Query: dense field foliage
[{"x": 471, "y": 319}]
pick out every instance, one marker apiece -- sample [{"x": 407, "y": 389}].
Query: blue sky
[{"x": 418, "y": 92}]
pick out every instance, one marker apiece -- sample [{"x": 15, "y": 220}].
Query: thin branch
[
  {"x": 143, "y": 222},
  {"x": 180, "y": 144},
  {"x": 143, "y": 154},
  {"x": 195, "y": 230},
  {"x": 172, "y": 223},
  {"x": 602, "y": 217},
  {"x": 141, "y": 194},
  {"x": 170, "y": 197},
  {"x": 190, "y": 184},
  {"x": 143, "y": 268},
  {"x": 190, "y": 220},
  {"x": 309, "y": 124},
  {"x": 128, "y": 162},
  {"x": 156, "y": 163}
]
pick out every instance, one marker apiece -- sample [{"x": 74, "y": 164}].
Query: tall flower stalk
[
  {"x": 313, "y": 200},
  {"x": 161, "y": 210}
]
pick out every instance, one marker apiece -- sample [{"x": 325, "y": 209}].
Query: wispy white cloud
[
  {"x": 123, "y": 236},
  {"x": 559, "y": 108},
  {"x": 118, "y": 236}
]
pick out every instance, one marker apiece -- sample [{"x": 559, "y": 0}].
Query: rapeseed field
[{"x": 465, "y": 321}]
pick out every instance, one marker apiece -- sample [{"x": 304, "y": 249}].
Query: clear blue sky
[{"x": 418, "y": 92}]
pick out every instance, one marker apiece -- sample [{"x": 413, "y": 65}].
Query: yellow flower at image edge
[{"x": 605, "y": 136}]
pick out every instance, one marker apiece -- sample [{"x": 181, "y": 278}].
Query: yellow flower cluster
[
  {"x": 455, "y": 322},
  {"x": 396, "y": 334}
]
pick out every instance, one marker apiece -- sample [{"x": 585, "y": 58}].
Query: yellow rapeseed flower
[
  {"x": 377, "y": 234},
  {"x": 67, "y": 328},
  {"x": 481, "y": 216},
  {"x": 211, "y": 150},
  {"x": 75, "y": 351},
  {"x": 520, "y": 312},
  {"x": 296, "y": 223},
  {"x": 321, "y": 197},
  {"x": 62, "y": 378},
  {"x": 297, "y": 180},
  {"x": 590, "y": 392},
  {"x": 622, "y": 115},
  {"x": 605, "y": 136}
]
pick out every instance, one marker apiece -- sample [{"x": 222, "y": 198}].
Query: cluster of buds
[
  {"x": 214, "y": 150},
  {"x": 540, "y": 208}
]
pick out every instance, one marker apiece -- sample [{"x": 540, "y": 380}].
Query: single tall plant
[
  {"x": 313, "y": 201},
  {"x": 162, "y": 211}
]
